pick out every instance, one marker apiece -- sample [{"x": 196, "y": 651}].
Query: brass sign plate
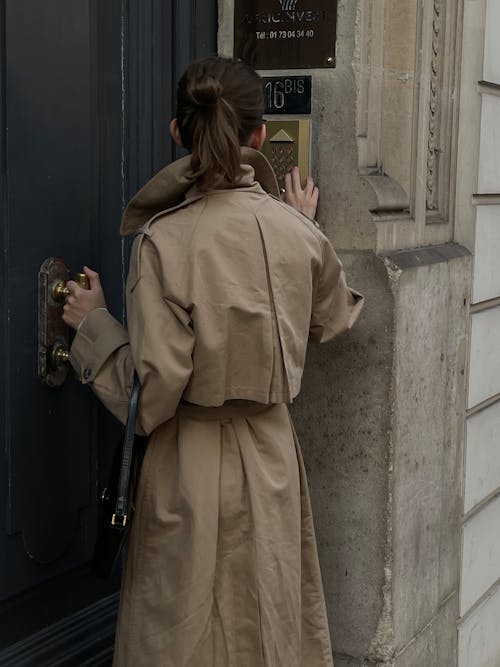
[
  {"x": 288, "y": 145},
  {"x": 285, "y": 34}
]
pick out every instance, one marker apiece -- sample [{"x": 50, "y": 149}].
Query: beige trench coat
[{"x": 224, "y": 291}]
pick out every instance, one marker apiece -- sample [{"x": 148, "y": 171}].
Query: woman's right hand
[
  {"x": 81, "y": 301},
  {"x": 304, "y": 200}
]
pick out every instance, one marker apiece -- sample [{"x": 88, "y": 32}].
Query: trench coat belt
[{"x": 227, "y": 411}]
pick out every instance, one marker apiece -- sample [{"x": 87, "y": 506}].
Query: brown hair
[{"x": 219, "y": 103}]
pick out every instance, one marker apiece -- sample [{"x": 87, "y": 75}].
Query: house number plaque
[
  {"x": 285, "y": 34},
  {"x": 287, "y": 94}
]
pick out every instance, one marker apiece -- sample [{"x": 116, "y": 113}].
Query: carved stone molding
[
  {"x": 385, "y": 69},
  {"x": 442, "y": 108},
  {"x": 390, "y": 195},
  {"x": 434, "y": 108},
  {"x": 407, "y": 76}
]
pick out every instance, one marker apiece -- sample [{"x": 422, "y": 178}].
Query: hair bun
[{"x": 206, "y": 91}]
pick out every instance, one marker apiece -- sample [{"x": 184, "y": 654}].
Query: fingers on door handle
[{"x": 60, "y": 291}]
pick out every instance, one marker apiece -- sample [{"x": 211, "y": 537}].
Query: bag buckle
[{"x": 121, "y": 520}]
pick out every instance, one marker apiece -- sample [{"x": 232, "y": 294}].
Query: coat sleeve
[
  {"x": 335, "y": 306},
  {"x": 158, "y": 344}
]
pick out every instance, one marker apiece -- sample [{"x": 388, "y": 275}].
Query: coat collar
[{"x": 173, "y": 187}]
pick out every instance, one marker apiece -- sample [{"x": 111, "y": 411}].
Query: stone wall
[
  {"x": 379, "y": 419},
  {"x": 380, "y": 415}
]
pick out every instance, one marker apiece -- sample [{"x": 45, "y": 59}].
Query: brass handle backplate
[{"x": 53, "y": 333}]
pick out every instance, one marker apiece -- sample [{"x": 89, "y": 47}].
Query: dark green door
[{"x": 87, "y": 90}]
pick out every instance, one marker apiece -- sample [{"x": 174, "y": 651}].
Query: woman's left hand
[
  {"x": 304, "y": 200},
  {"x": 81, "y": 301}
]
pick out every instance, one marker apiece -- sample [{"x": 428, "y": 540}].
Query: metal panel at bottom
[{"x": 85, "y": 638}]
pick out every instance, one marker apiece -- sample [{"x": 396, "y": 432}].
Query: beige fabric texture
[{"x": 224, "y": 291}]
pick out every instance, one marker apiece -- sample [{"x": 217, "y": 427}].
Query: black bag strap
[{"x": 119, "y": 517}]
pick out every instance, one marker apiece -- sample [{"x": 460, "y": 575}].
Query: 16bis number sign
[{"x": 288, "y": 95}]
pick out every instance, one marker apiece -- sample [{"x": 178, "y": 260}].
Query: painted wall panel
[
  {"x": 484, "y": 371},
  {"x": 479, "y": 639},
  {"x": 482, "y": 467},
  {"x": 489, "y": 162},
  {"x": 487, "y": 252},
  {"x": 492, "y": 43},
  {"x": 481, "y": 555}
]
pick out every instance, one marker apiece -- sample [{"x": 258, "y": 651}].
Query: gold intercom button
[{"x": 287, "y": 145}]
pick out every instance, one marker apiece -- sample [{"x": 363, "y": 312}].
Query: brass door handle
[{"x": 60, "y": 291}]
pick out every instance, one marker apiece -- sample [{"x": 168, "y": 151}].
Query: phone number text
[{"x": 285, "y": 34}]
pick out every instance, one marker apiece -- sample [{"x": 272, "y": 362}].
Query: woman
[{"x": 226, "y": 285}]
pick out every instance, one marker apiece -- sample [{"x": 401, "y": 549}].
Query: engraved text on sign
[{"x": 285, "y": 34}]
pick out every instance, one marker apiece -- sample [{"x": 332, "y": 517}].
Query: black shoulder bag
[{"x": 117, "y": 500}]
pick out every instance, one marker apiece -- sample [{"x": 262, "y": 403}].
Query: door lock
[{"x": 53, "y": 332}]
